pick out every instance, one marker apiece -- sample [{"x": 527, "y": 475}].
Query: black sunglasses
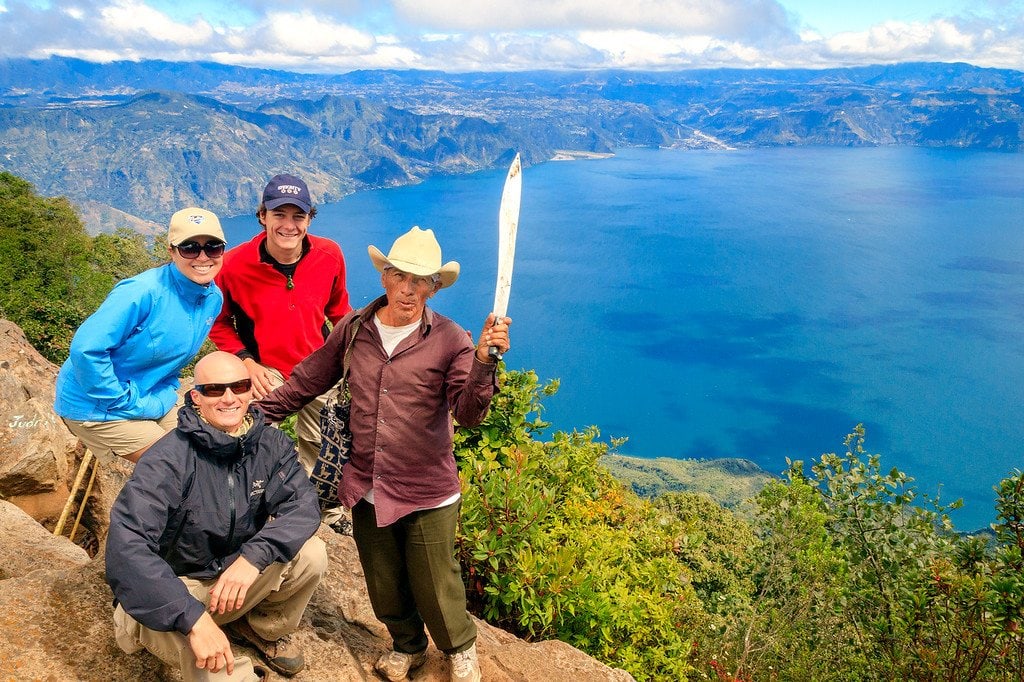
[
  {"x": 217, "y": 390},
  {"x": 190, "y": 250}
]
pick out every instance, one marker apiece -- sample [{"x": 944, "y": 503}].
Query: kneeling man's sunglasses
[{"x": 217, "y": 390}]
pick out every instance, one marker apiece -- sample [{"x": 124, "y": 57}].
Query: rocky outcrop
[
  {"x": 36, "y": 450},
  {"x": 27, "y": 545},
  {"x": 55, "y": 607}
]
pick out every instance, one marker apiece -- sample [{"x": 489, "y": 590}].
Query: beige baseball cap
[{"x": 193, "y": 222}]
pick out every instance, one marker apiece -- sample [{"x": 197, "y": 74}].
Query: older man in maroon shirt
[{"x": 411, "y": 371}]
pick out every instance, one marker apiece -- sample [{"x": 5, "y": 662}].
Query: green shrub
[
  {"x": 859, "y": 577},
  {"x": 52, "y": 274},
  {"x": 793, "y": 626},
  {"x": 553, "y": 547}
]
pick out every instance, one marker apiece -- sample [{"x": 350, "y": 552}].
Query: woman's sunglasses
[
  {"x": 190, "y": 250},
  {"x": 217, "y": 390}
]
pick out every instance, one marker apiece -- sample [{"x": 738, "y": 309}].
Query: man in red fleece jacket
[{"x": 281, "y": 289}]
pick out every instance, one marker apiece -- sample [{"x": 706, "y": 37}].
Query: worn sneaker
[
  {"x": 395, "y": 666},
  {"x": 465, "y": 667},
  {"x": 282, "y": 655}
]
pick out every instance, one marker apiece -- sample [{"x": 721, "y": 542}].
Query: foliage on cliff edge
[
  {"x": 52, "y": 274},
  {"x": 848, "y": 574},
  {"x": 552, "y": 546}
]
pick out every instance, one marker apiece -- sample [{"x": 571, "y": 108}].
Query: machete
[{"x": 508, "y": 223}]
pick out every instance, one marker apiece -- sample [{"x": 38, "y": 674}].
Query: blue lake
[{"x": 754, "y": 303}]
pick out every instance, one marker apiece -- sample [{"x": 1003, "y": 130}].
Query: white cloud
[
  {"x": 937, "y": 40},
  {"x": 304, "y": 33},
  {"x": 461, "y": 35},
  {"x": 751, "y": 18},
  {"x": 505, "y": 51},
  {"x": 128, "y": 21},
  {"x": 89, "y": 55},
  {"x": 643, "y": 50},
  {"x": 391, "y": 57},
  {"x": 386, "y": 57}
]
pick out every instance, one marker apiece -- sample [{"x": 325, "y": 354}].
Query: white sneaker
[
  {"x": 395, "y": 666},
  {"x": 465, "y": 667}
]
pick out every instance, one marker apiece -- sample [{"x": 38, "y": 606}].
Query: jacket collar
[{"x": 185, "y": 287}]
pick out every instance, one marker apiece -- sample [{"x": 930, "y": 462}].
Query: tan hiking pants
[{"x": 273, "y": 606}]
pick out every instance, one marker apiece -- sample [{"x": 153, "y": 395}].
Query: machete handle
[{"x": 492, "y": 351}]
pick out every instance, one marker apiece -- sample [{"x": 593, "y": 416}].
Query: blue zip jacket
[
  {"x": 126, "y": 357},
  {"x": 197, "y": 500}
]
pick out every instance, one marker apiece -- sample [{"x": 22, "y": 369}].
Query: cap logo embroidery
[
  {"x": 196, "y": 219},
  {"x": 289, "y": 189}
]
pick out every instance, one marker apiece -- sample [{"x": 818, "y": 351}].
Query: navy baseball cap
[{"x": 286, "y": 189}]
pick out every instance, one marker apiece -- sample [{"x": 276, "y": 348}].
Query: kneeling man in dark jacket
[{"x": 212, "y": 537}]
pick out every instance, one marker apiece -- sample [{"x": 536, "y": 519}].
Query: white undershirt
[{"x": 390, "y": 337}]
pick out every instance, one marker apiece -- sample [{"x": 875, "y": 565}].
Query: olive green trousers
[{"x": 413, "y": 579}]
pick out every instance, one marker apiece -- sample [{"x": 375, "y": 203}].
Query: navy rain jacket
[{"x": 197, "y": 500}]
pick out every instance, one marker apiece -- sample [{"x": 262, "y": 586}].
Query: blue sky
[{"x": 464, "y": 35}]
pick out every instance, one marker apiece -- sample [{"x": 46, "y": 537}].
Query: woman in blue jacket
[{"x": 118, "y": 389}]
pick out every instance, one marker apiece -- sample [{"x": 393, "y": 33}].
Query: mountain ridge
[{"x": 145, "y": 138}]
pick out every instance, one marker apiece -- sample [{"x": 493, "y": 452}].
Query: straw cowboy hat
[{"x": 418, "y": 253}]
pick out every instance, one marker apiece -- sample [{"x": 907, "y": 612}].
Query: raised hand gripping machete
[{"x": 508, "y": 223}]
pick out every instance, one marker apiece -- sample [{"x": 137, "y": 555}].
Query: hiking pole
[
  {"x": 85, "y": 499},
  {"x": 82, "y": 468}
]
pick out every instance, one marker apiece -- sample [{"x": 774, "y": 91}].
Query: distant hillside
[
  {"x": 155, "y": 152},
  {"x": 147, "y": 137},
  {"x": 729, "y": 481}
]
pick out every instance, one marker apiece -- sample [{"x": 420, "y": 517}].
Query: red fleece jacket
[{"x": 277, "y": 325}]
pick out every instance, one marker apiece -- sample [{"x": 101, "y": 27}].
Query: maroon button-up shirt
[{"x": 402, "y": 408}]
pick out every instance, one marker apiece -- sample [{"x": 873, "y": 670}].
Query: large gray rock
[
  {"x": 35, "y": 448},
  {"x": 25, "y": 546}
]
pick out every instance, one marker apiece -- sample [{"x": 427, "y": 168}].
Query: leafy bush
[
  {"x": 552, "y": 546},
  {"x": 859, "y": 577},
  {"x": 52, "y": 274},
  {"x": 793, "y": 625}
]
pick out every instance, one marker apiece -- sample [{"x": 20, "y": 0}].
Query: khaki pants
[
  {"x": 122, "y": 437},
  {"x": 307, "y": 426},
  {"x": 273, "y": 606}
]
